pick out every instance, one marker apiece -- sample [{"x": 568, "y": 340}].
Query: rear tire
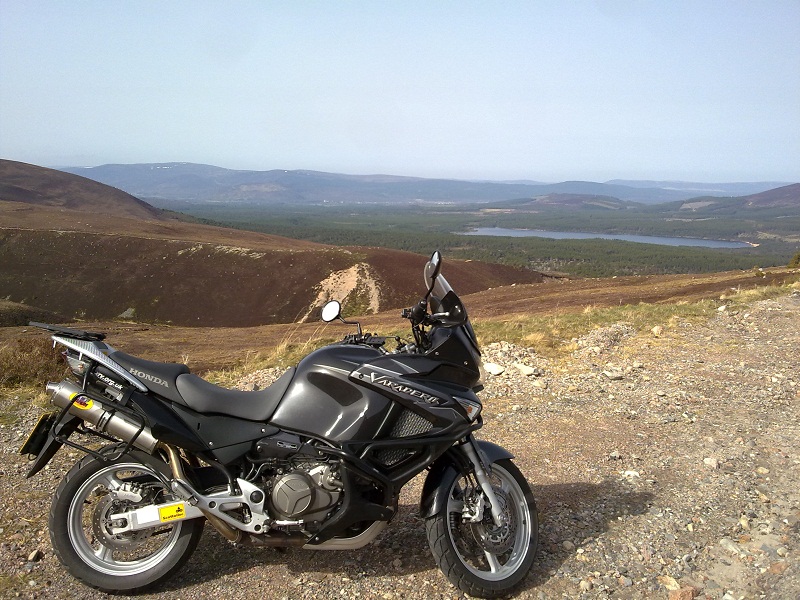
[
  {"x": 80, "y": 524},
  {"x": 479, "y": 558}
]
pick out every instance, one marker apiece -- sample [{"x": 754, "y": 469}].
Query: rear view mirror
[
  {"x": 432, "y": 269},
  {"x": 331, "y": 311}
]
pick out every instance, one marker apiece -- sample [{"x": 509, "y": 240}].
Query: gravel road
[{"x": 665, "y": 463}]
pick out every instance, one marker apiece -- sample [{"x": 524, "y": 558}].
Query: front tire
[
  {"x": 482, "y": 559},
  {"x": 80, "y": 528}
]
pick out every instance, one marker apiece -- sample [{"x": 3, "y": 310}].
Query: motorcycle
[{"x": 316, "y": 460}]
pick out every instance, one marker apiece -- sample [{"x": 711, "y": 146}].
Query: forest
[{"x": 426, "y": 226}]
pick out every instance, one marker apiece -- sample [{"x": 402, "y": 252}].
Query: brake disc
[
  {"x": 494, "y": 539},
  {"x": 101, "y": 524}
]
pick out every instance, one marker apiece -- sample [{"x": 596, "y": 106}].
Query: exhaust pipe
[{"x": 66, "y": 393}]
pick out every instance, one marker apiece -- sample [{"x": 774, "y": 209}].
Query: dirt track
[{"x": 664, "y": 467}]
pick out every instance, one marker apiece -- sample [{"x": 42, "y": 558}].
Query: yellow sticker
[
  {"x": 173, "y": 512},
  {"x": 82, "y": 402}
]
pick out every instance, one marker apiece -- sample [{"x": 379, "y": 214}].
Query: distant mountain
[
  {"x": 31, "y": 184},
  {"x": 704, "y": 189},
  {"x": 170, "y": 184},
  {"x": 784, "y": 199}
]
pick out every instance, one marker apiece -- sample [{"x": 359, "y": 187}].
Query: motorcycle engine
[{"x": 308, "y": 491}]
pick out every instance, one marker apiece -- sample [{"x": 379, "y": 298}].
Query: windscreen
[{"x": 445, "y": 300}]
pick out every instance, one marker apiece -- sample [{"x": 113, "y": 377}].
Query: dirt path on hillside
[
  {"x": 340, "y": 284},
  {"x": 663, "y": 467}
]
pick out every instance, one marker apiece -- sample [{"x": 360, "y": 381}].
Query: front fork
[{"x": 470, "y": 449}]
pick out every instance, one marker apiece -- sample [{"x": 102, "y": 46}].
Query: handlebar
[{"x": 418, "y": 315}]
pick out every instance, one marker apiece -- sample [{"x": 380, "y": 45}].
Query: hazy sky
[{"x": 542, "y": 90}]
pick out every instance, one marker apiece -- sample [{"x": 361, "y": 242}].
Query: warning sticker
[{"x": 173, "y": 512}]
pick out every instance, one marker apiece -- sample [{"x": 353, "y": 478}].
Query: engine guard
[{"x": 445, "y": 471}]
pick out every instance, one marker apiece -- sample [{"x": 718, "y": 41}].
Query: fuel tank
[
  {"x": 347, "y": 392},
  {"x": 322, "y": 401}
]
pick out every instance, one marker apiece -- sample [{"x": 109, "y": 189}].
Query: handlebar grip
[{"x": 418, "y": 313}]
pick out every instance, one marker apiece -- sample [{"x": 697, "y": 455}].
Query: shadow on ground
[{"x": 570, "y": 512}]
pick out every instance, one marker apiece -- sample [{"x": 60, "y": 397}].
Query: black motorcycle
[{"x": 317, "y": 460}]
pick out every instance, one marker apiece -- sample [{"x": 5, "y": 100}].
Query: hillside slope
[
  {"x": 39, "y": 186},
  {"x": 782, "y": 200}
]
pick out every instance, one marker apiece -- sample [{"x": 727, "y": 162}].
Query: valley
[{"x": 83, "y": 250}]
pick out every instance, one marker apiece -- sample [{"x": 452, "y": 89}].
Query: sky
[{"x": 541, "y": 90}]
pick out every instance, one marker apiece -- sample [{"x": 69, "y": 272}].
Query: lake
[{"x": 572, "y": 235}]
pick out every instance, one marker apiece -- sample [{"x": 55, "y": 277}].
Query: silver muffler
[{"x": 117, "y": 424}]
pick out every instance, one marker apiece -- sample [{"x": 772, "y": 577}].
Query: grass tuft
[
  {"x": 29, "y": 362},
  {"x": 553, "y": 335}
]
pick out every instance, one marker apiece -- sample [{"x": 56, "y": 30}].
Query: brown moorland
[{"x": 215, "y": 348}]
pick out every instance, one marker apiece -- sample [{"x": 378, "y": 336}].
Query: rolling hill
[
  {"x": 84, "y": 250},
  {"x": 39, "y": 186},
  {"x": 169, "y": 185},
  {"x": 786, "y": 198}
]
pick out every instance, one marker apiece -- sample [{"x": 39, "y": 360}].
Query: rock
[
  {"x": 35, "y": 556},
  {"x": 568, "y": 546},
  {"x": 613, "y": 375},
  {"x": 585, "y": 585},
  {"x": 494, "y": 368},
  {"x": 397, "y": 563},
  {"x": 657, "y": 331},
  {"x": 723, "y": 308},
  {"x": 684, "y": 593},
  {"x": 526, "y": 370},
  {"x": 777, "y": 568},
  {"x": 711, "y": 462},
  {"x": 615, "y": 455},
  {"x": 729, "y": 545},
  {"x": 669, "y": 583}
]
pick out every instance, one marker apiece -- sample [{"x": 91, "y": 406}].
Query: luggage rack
[{"x": 78, "y": 334}]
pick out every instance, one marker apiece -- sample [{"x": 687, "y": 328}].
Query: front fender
[{"x": 447, "y": 468}]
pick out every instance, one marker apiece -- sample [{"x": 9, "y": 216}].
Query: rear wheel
[
  {"x": 82, "y": 530},
  {"x": 480, "y": 558}
]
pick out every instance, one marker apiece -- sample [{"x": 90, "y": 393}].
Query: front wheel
[
  {"x": 83, "y": 533},
  {"x": 480, "y": 558}
]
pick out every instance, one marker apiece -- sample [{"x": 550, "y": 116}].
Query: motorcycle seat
[
  {"x": 157, "y": 377},
  {"x": 205, "y": 397}
]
